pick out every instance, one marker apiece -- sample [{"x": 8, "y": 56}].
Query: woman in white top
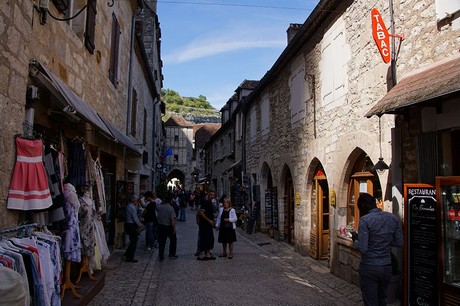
[{"x": 226, "y": 223}]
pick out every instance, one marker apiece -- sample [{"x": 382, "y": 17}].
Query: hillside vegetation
[{"x": 195, "y": 110}]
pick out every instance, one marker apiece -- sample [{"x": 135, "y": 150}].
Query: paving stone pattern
[{"x": 262, "y": 272}]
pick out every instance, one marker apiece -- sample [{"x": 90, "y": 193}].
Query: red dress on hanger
[{"x": 29, "y": 185}]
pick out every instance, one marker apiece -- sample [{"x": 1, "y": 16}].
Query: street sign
[
  {"x": 381, "y": 35},
  {"x": 159, "y": 166}
]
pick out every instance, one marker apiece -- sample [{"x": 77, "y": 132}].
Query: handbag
[{"x": 226, "y": 225}]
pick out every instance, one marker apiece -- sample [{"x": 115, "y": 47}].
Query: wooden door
[
  {"x": 320, "y": 225},
  {"x": 289, "y": 211}
]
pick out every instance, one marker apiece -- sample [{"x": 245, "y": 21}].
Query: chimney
[{"x": 292, "y": 31}]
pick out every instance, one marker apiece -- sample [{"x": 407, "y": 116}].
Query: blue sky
[{"x": 209, "y": 47}]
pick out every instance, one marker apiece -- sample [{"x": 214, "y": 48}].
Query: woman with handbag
[{"x": 226, "y": 223}]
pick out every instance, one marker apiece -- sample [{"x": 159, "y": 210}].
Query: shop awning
[
  {"x": 74, "y": 101},
  {"x": 427, "y": 84},
  {"x": 120, "y": 136},
  {"x": 69, "y": 98},
  {"x": 238, "y": 163}
]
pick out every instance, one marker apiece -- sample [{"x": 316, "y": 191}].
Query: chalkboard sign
[
  {"x": 268, "y": 208},
  {"x": 422, "y": 244},
  {"x": 275, "y": 207}
]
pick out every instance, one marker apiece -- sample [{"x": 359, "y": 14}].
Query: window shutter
[
  {"x": 114, "y": 49},
  {"x": 90, "y": 25}
]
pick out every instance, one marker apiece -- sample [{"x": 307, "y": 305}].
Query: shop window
[
  {"x": 114, "y": 51},
  {"x": 360, "y": 182}
]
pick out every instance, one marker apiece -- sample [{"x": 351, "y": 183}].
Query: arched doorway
[
  {"x": 320, "y": 216},
  {"x": 270, "y": 204},
  {"x": 289, "y": 210}
]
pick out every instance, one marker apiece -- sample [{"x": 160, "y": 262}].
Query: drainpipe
[
  {"x": 243, "y": 149},
  {"x": 393, "y": 45}
]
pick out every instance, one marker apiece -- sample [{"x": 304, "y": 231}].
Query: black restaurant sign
[{"x": 422, "y": 244}]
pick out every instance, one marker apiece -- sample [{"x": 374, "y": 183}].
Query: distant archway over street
[{"x": 175, "y": 179}]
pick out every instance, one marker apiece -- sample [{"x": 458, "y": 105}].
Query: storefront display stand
[{"x": 87, "y": 288}]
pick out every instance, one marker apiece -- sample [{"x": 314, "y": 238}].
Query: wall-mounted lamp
[{"x": 380, "y": 166}]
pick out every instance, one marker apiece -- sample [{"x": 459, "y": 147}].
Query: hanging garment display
[
  {"x": 29, "y": 184},
  {"x": 99, "y": 180},
  {"x": 56, "y": 211},
  {"x": 77, "y": 164},
  {"x": 71, "y": 235},
  {"x": 86, "y": 218}
]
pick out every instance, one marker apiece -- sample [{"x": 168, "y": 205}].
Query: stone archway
[{"x": 175, "y": 180}]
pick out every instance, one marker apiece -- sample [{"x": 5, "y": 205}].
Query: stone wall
[
  {"x": 332, "y": 135},
  {"x": 58, "y": 48},
  {"x": 15, "y": 37}
]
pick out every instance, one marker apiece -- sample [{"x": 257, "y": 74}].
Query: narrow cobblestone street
[{"x": 262, "y": 272}]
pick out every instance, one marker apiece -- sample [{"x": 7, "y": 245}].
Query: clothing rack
[{"x": 18, "y": 228}]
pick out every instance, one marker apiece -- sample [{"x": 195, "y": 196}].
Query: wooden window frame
[{"x": 353, "y": 214}]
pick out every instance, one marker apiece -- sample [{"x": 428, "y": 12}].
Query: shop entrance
[
  {"x": 320, "y": 225},
  {"x": 289, "y": 209}
]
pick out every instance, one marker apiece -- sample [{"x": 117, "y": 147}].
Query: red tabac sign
[{"x": 381, "y": 36}]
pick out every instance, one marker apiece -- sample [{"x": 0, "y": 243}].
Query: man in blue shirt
[
  {"x": 378, "y": 231},
  {"x": 131, "y": 224}
]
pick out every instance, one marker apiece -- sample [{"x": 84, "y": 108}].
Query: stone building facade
[
  {"x": 203, "y": 133},
  {"x": 96, "y": 78},
  {"x": 224, "y": 149},
  {"x": 180, "y": 162},
  {"x": 307, "y": 144}
]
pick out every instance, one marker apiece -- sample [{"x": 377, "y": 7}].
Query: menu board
[
  {"x": 275, "y": 207},
  {"x": 421, "y": 211},
  {"x": 268, "y": 208}
]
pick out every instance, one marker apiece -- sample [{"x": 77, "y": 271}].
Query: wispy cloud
[
  {"x": 212, "y": 44},
  {"x": 204, "y": 49}
]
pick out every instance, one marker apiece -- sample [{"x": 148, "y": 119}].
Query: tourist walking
[
  {"x": 132, "y": 223},
  {"x": 205, "y": 218},
  {"x": 166, "y": 228},
  {"x": 150, "y": 220},
  {"x": 378, "y": 231}
]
